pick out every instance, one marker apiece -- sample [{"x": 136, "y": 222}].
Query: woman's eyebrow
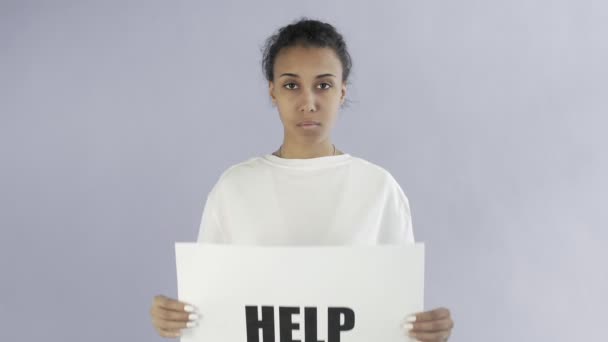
[{"x": 296, "y": 75}]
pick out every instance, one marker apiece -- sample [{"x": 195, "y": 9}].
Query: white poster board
[{"x": 300, "y": 293}]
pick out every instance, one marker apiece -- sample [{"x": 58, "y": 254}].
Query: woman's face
[{"x": 307, "y": 87}]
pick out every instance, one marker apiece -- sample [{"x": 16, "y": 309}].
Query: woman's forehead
[{"x": 307, "y": 61}]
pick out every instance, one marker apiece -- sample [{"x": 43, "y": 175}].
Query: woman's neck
[{"x": 298, "y": 151}]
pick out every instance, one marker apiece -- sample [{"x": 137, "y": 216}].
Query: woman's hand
[
  {"x": 169, "y": 316},
  {"x": 430, "y": 326}
]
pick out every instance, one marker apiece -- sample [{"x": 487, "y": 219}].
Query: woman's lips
[
  {"x": 309, "y": 125},
  {"x": 306, "y": 123}
]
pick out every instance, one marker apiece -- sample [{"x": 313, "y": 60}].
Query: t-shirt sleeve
[
  {"x": 210, "y": 229},
  {"x": 396, "y": 223}
]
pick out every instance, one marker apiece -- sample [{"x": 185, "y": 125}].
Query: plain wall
[{"x": 117, "y": 117}]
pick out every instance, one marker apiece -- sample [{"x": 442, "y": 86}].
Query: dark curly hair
[{"x": 308, "y": 33}]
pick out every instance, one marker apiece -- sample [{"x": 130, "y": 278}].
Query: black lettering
[
  {"x": 333, "y": 322},
  {"x": 310, "y": 325},
  {"x": 286, "y": 325},
  {"x": 266, "y": 323}
]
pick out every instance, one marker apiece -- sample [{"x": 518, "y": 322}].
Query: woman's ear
[
  {"x": 271, "y": 92},
  {"x": 343, "y": 96}
]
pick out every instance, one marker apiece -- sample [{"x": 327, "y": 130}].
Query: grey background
[{"x": 118, "y": 117}]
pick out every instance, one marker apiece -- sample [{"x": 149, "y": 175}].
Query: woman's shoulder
[
  {"x": 384, "y": 176},
  {"x": 373, "y": 169},
  {"x": 239, "y": 170}
]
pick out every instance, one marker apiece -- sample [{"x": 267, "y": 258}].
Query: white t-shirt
[{"x": 331, "y": 200}]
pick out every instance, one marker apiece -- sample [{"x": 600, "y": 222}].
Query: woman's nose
[{"x": 308, "y": 102}]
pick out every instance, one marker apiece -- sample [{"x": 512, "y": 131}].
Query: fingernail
[
  {"x": 191, "y": 324},
  {"x": 190, "y": 308},
  {"x": 411, "y": 319},
  {"x": 408, "y": 326},
  {"x": 193, "y": 317}
]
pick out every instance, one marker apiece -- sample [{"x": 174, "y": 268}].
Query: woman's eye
[{"x": 289, "y": 85}]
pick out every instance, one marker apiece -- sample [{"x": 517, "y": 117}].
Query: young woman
[{"x": 308, "y": 192}]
